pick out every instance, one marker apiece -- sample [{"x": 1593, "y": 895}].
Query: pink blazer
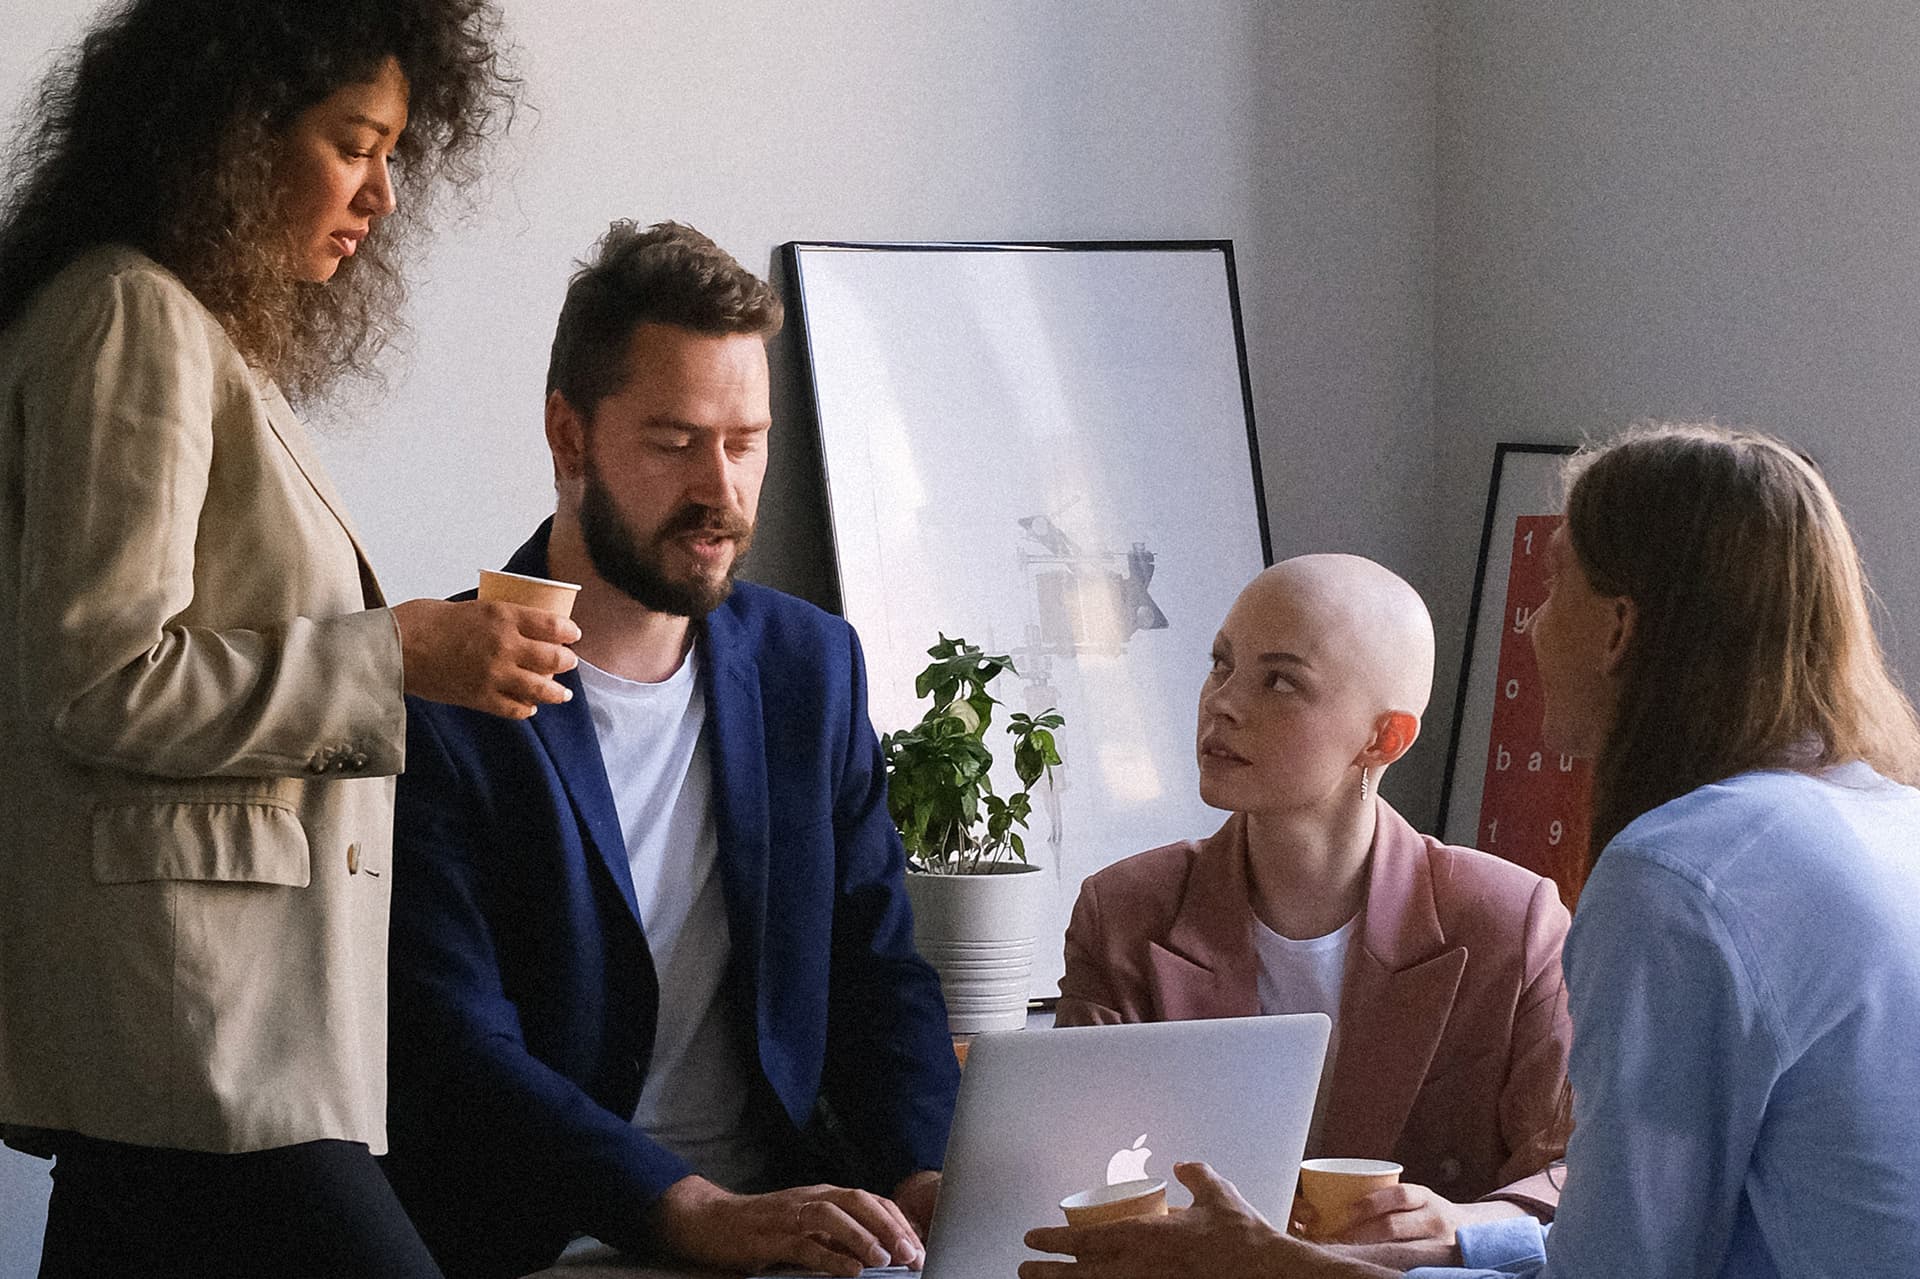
[{"x": 1453, "y": 1016}]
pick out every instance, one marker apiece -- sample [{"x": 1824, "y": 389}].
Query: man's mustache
[{"x": 708, "y": 520}]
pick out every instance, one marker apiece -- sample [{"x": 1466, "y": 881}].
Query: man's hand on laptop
[
  {"x": 916, "y": 1195},
  {"x": 1220, "y": 1237},
  {"x": 828, "y": 1229}
]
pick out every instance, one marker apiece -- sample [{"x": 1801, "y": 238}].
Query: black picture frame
[
  {"x": 1525, "y": 481},
  {"x": 1092, "y": 399}
]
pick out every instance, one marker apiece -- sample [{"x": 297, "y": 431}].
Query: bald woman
[{"x": 1440, "y": 966}]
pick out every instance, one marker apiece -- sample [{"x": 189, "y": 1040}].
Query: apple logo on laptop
[{"x": 1129, "y": 1164}]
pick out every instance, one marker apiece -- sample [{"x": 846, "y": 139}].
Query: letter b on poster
[{"x": 1533, "y": 801}]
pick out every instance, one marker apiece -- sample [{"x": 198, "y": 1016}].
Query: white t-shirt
[
  {"x": 653, "y": 745},
  {"x": 1304, "y": 976}
]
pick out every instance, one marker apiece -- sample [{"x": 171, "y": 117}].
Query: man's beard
[{"x": 640, "y": 571}]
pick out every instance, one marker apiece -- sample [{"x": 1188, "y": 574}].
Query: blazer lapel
[
  {"x": 1398, "y": 994},
  {"x": 1206, "y": 966},
  {"x": 293, "y": 438},
  {"x": 739, "y": 759},
  {"x": 567, "y": 732}
]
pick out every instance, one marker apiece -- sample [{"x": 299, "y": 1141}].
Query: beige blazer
[
  {"x": 1453, "y": 1016},
  {"x": 200, "y": 714}
]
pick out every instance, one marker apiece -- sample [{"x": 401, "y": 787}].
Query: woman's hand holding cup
[
  {"x": 487, "y": 655},
  {"x": 1330, "y": 1190}
]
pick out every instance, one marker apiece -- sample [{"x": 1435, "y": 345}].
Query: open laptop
[{"x": 1044, "y": 1113}]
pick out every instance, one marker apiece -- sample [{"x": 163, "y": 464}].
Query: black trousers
[{"x": 319, "y": 1210}]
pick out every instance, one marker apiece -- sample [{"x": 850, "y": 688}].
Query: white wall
[
  {"x": 1679, "y": 210},
  {"x": 1303, "y": 132}
]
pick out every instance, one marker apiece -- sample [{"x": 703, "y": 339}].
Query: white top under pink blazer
[{"x": 1453, "y": 1016}]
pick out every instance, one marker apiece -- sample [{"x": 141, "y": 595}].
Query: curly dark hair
[
  {"x": 666, "y": 274},
  {"x": 161, "y": 130}
]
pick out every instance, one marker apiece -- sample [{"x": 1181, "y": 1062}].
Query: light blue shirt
[{"x": 1744, "y": 978}]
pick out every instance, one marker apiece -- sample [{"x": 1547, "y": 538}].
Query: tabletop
[
  {"x": 605, "y": 1263},
  {"x": 600, "y": 1262}
]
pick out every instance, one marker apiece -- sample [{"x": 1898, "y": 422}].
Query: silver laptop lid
[{"x": 1043, "y": 1113}]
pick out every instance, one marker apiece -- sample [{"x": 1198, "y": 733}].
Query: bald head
[{"x": 1361, "y": 623}]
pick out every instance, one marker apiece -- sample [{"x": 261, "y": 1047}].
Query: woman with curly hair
[{"x": 201, "y": 703}]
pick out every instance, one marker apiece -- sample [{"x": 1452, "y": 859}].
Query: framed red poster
[{"x": 1504, "y": 791}]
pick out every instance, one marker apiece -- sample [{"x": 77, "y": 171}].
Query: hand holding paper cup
[
  {"x": 1144, "y": 1198},
  {"x": 542, "y": 593},
  {"x": 1332, "y": 1187},
  {"x": 499, "y": 661}
]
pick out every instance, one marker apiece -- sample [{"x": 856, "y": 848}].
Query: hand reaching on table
[
  {"x": 1220, "y": 1237},
  {"x": 828, "y": 1229}
]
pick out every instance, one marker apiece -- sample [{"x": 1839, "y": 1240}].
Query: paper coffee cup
[
  {"x": 1333, "y": 1186},
  {"x": 1146, "y": 1198},
  {"x": 533, "y": 592}
]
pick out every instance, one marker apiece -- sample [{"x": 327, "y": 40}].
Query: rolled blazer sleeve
[{"x": 120, "y": 438}]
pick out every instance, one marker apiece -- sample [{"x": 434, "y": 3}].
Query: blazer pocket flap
[{"x": 230, "y": 841}]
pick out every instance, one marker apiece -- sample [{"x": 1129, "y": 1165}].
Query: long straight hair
[{"x": 1753, "y": 643}]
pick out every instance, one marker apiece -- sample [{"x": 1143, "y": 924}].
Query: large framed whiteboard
[{"x": 1049, "y": 450}]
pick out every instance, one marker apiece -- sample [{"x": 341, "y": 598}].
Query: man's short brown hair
[{"x": 667, "y": 274}]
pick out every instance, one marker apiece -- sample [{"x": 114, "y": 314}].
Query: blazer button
[
  {"x": 353, "y": 859},
  {"x": 1449, "y": 1170},
  {"x": 358, "y": 759}
]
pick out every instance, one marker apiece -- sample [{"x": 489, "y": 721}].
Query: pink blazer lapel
[
  {"x": 1206, "y": 966},
  {"x": 1398, "y": 994}
]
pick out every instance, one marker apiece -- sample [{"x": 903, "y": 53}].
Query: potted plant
[{"x": 976, "y": 900}]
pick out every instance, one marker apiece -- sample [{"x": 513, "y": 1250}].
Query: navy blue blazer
[{"x": 523, "y": 995}]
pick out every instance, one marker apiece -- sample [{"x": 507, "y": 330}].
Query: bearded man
[{"x": 652, "y": 960}]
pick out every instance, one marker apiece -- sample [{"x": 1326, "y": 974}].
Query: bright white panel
[{"x": 1044, "y": 451}]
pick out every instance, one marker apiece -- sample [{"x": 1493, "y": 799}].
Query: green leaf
[{"x": 939, "y": 771}]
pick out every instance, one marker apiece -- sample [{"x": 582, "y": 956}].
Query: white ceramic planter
[{"x": 978, "y": 933}]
